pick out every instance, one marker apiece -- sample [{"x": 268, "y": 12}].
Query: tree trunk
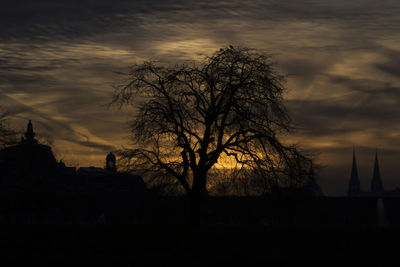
[
  {"x": 194, "y": 209},
  {"x": 197, "y": 198}
]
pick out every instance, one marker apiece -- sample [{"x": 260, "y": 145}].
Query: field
[{"x": 128, "y": 245}]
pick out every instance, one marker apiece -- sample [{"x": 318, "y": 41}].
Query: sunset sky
[{"x": 59, "y": 61}]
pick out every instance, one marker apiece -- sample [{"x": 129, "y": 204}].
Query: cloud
[
  {"x": 391, "y": 65},
  {"x": 58, "y": 61}
]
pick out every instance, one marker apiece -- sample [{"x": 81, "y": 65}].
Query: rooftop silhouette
[
  {"x": 30, "y": 164},
  {"x": 376, "y": 188}
]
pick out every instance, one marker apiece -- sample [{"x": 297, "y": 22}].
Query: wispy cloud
[{"x": 58, "y": 61}]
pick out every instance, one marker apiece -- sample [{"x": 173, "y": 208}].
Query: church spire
[
  {"x": 354, "y": 183},
  {"x": 376, "y": 182},
  {"x": 30, "y": 134}
]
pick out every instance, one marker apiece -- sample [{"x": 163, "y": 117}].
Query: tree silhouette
[
  {"x": 190, "y": 116},
  {"x": 8, "y": 136}
]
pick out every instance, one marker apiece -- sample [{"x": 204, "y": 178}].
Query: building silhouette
[
  {"x": 110, "y": 162},
  {"x": 310, "y": 189},
  {"x": 376, "y": 184},
  {"x": 354, "y": 182},
  {"x": 30, "y": 165}
]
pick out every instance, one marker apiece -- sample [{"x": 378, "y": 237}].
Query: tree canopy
[{"x": 188, "y": 117}]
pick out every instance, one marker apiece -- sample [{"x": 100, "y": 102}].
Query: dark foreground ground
[{"x": 128, "y": 245}]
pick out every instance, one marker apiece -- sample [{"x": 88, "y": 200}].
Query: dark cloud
[
  {"x": 66, "y": 20},
  {"x": 364, "y": 109},
  {"x": 391, "y": 64},
  {"x": 40, "y": 20}
]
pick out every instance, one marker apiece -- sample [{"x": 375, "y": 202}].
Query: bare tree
[
  {"x": 190, "y": 116},
  {"x": 8, "y": 136}
]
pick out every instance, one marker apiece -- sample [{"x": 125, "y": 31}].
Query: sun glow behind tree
[{"x": 189, "y": 116}]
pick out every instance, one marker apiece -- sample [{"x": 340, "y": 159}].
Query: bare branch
[{"x": 189, "y": 116}]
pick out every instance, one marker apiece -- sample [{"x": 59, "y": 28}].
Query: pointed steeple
[
  {"x": 30, "y": 134},
  {"x": 354, "y": 183},
  {"x": 376, "y": 182}
]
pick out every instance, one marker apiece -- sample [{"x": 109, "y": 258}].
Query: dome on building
[{"x": 28, "y": 160}]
